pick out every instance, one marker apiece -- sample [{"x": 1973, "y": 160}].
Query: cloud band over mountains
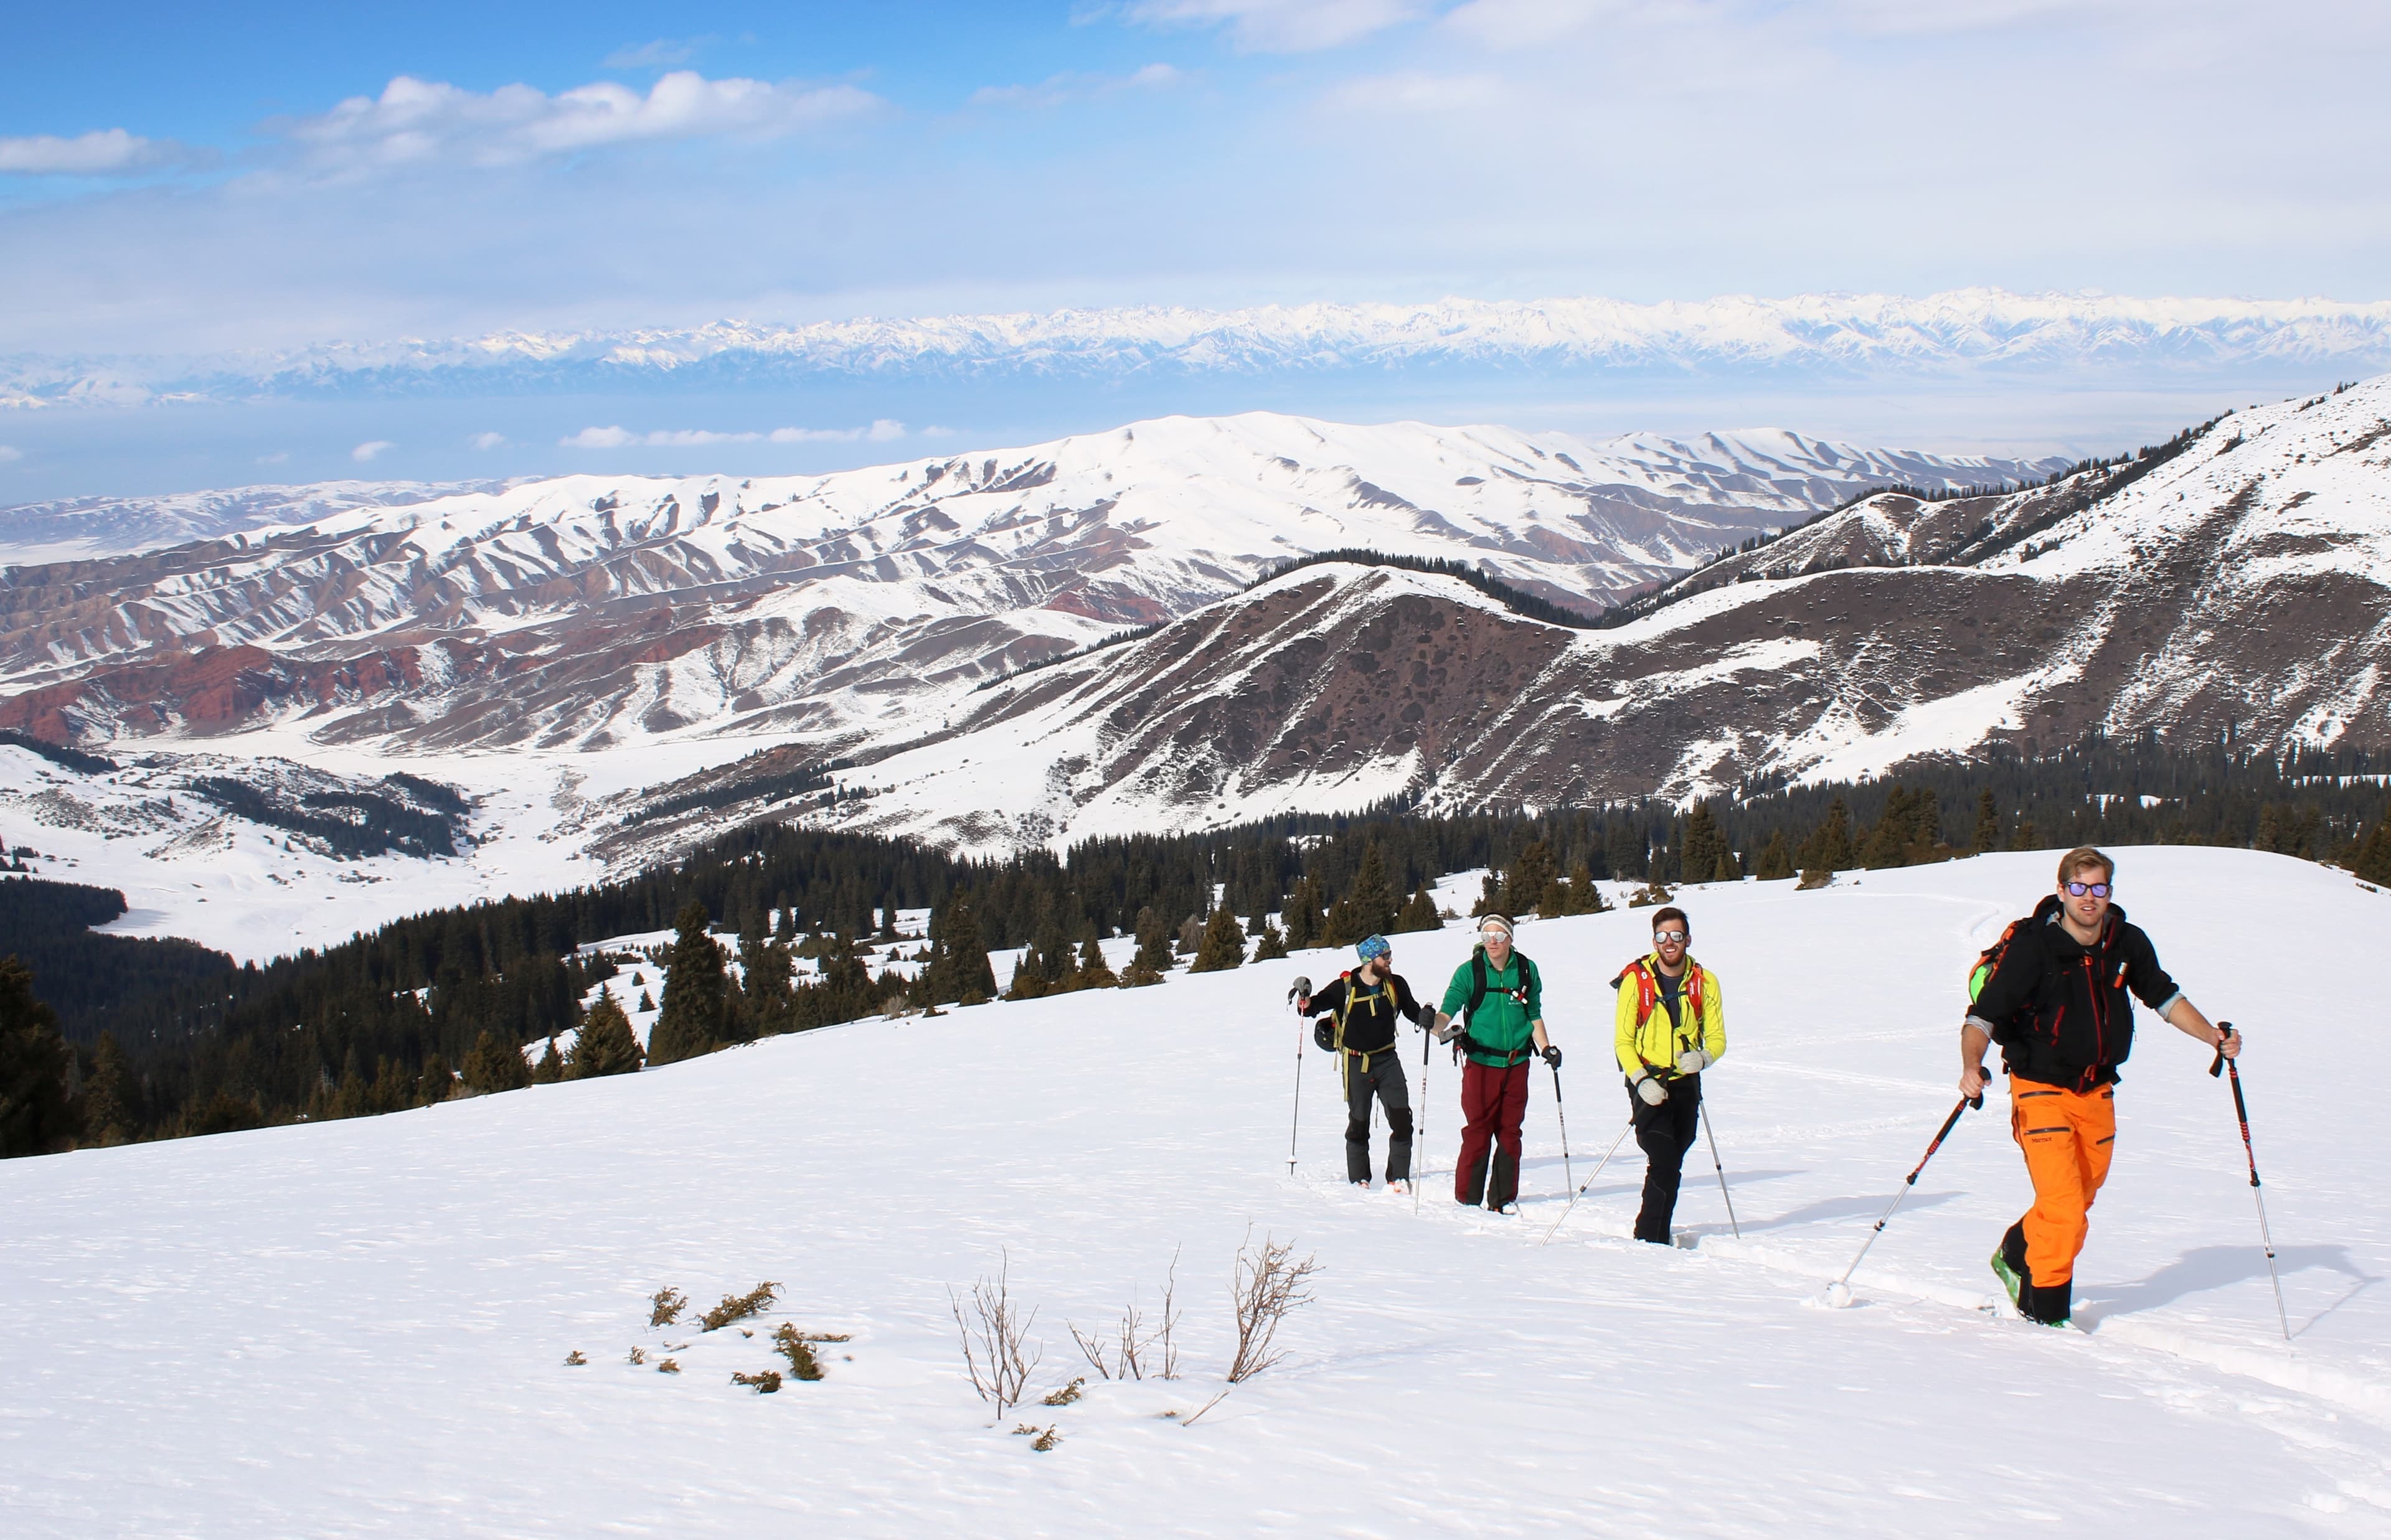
[{"x": 1820, "y": 336}]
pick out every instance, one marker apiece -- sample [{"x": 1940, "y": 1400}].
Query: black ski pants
[
  {"x": 1384, "y": 1080},
  {"x": 1664, "y": 1133}
]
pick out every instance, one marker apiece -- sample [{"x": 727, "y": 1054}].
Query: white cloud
[
  {"x": 1281, "y": 26},
  {"x": 101, "y": 153},
  {"x": 488, "y": 441},
  {"x": 660, "y": 54},
  {"x": 881, "y": 432},
  {"x": 369, "y": 450},
  {"x": 10, "y": 452},
  {"x": 415, "y": 122},
  {"x": 1072, "y": 86},
  {"x": 279, "y": 456}
]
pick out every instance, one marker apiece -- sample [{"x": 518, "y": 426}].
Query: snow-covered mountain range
[
  {"x": 1834, "y": 335},
  {"x": 588, "y": 611},
  {"x": 86, "y": 529}
]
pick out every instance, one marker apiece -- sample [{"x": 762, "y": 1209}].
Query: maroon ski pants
[{"x": 1493, "y": 1105}]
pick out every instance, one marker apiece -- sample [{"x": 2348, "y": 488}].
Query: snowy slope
[
  {"x": 592, "y": 611},
  {"x": 361, "y": 1327},
  {"x": 83, "y": 529}
]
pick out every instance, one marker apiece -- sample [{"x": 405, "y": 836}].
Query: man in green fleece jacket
[{"x": 1502, "y": 996}]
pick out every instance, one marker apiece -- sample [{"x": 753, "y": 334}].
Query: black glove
[
  {"x": 1323, "y": 1031},
  {"x": 1553, "y": 1057}
]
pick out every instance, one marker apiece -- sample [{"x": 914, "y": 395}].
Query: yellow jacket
[{"x": 1645, "y": 1039}]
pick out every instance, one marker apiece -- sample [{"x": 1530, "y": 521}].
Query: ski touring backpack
[
  {"x": 1988, "y": 961},
  {"x": 1479, "y": 987}
]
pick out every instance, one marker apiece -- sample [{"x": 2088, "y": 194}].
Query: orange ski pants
[{"x": 2067, "y": 1136}]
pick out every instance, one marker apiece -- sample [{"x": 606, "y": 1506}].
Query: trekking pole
[
  {"x": 2266, "y": 1236},
  {"x": 1589, "y": 1181},
  {"x": 1715, "y": 1166},
  {"x": 1839, "y": 1293},
  {"x": 1299, "y": 990},
  {"x": 1420, "y": 1143},
  {"x": 1561, "y": 1109}
]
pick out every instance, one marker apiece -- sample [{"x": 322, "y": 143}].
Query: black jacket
[
  {"x": 1370, "y": 1025},
  {"x": 2058, "y": 1009}
]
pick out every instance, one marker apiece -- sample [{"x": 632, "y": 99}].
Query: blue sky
[{"x": 189, "y": 182}]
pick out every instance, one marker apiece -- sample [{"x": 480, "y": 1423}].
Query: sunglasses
[
  {"x": 1664, "y": 938},
  {"x": 2098, "y": 889}
]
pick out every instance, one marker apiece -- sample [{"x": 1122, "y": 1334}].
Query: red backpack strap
[
  {"x": 1693, "y": 997},
  {"x": 1644, "y": 993}
]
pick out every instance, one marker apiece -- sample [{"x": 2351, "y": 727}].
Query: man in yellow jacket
[{"x": 1671, "y": 1026}]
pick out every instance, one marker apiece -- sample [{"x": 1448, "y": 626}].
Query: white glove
[
  {"x": 1693, "y": 1061},
  {"x": 1651, "y": 1090}
]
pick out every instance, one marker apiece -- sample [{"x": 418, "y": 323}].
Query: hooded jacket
[
  {"x": 2059, "y": 1009},
  {"x": 1647, "y": 1039}
]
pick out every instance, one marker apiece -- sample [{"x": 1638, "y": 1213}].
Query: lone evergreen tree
[
  {"x": 1152, "y": 959},
  {"x": 551, "y": 1068},
  {"x": 1776, "y": 858},
  {"x": 1270, "y": 944},
  {"x": 1988, "y": 823},
  {"x": 110, "y": 1113},
  {"x": 958, "y": 971},
  {"x": 437, "y": 1083},
  {"x": 1703, "y": 844},
  {"x": 1419, "y": 914},
  {"x": 1586, "y": 894},
  {"x": 605, "y": 1046},
  {"x": 1223, "y": 944},
  {"x": 1094, "y": 972},
  {"x": 1373, "y": 897},
  {"x": 696, "y": 993},
  {"x": 36, "y": 1114},
  {"x": 491, "y": 1066}
]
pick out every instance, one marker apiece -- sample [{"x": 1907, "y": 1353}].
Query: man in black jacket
[
  {"x": 1359, "y": 1012},
  {"x": 2053, "y": 994}
]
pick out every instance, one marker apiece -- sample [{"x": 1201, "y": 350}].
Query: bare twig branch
[
  {"x": 994, "y": 1353},
  {"x": 1270, "y": 1284}
]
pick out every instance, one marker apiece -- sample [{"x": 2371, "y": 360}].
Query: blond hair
[{"x": 2084, "y": 856}]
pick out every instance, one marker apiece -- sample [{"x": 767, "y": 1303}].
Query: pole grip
[{"x": 2217, "y": 1066}]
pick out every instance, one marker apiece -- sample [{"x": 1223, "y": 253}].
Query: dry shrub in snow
[
  {"x": 668, "y": 1365},
  {"x": 1270, "y": 1284},
  {"x": 1046, "y": 1440},
  {"x": 738, "y": 1307},
  {"x": 994, "y": 1353},
  {"x": 792, "y": 1344},
  {"x": 639, "y": 1356},
  {"x": 765, "y": 1383},
  {"x": 666, "y": 1308},
  {"x": 574, "y": 1359},
  {"x": 1065, "y": 1396},
  {"x": 1139, "y": 1346}
]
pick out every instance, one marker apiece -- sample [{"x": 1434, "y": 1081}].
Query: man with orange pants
[{"x": 2053, "y": 995}]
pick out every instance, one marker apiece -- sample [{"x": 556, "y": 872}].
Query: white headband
[{"x": 1493, "y": 922}]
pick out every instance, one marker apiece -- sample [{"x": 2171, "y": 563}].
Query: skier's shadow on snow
[
  {"x": 1865, "y": 1206},
  {"x": 2207, "y": 1267}
]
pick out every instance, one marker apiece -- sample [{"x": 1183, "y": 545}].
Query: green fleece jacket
[{"x": 1504, "y": 1021}]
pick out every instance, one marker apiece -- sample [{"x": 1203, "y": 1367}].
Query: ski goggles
[
  {"x": 1671, "y": 938},
  {"x": 2078, "y": 890}
]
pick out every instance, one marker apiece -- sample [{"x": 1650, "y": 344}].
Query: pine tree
[
  {"x": 36, "y": 1114},
  {"x": 1152, "y": 959},
  {"x": 1301, "y": 915},
  {"x": 1726, "y": 870},
  {"x": 647, "y": 1001},
  {"x": 109, "y": 1114},
  {"x": 1828, "y": 848},
  {"x": 1704, "y": 844},
  {"x": 605, "y": 1046},
  {"x": 491, "y": 1066},
  {"x": 551, "y": 1068},
  {"x": 1419, "y": 914},
  {"x": 1776, "y": 858},
  {"x": 696, "y": 993},
  {"x": 1988, "y": 823},
  {"x": 437, "y": 1083},
  {"x": 1629, "y": 854},
  {"x": 1585, "y": 893},
  {"x": 958, "y": 971},
  {"x": 1373, "y": 897},
  {"x": 1887, "y": 842},
  {"x": 392, "y": 1089},
  {"x": 1527, "y": 883},
  {"x": 1094, "y": 972},
  {"x": 2025, "y": 838},
  {"x": 1029, "y": 981},
  {"x": 1270, "y": 944},
  {"x": 1223, "y": 944},
  {"x": 2371, "y": 863},
  {"x": 353, "y": 1098}
]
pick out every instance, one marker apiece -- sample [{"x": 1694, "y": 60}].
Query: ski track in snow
[{"x": 360, "y": 1326}]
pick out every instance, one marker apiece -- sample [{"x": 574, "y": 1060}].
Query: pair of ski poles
[
  {"x": 1715, "y": 1165},
  {"x": 1839, "y": 1292}
]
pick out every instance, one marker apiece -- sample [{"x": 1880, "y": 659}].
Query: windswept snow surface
[{"x": 361, "y": 1327}]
